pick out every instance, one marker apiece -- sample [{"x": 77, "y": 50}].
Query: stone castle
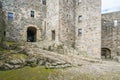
[{"x": 75, "y": 24}]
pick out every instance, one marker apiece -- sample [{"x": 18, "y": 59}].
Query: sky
[{"x": 110, "y": 6}]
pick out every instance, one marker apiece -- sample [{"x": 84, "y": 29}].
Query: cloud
[{"x": 110, "y": 6}]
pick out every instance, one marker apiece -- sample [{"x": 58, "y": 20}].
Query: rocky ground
[
  {"x": 69, "y": 66},
  {"x": 13, "y": 56},
  {"x": 92, "y": 71}
]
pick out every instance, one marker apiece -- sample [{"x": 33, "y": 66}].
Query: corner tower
[{"x": 88, "y": 27}]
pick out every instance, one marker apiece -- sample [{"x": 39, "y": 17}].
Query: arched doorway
[
  {"x": 31, "y": 34},
  {"x": 106, "y": 53}
]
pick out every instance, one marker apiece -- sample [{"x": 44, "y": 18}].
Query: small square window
[
  {"x": 79, "y": 18},
  {"x": 32, "y": 14},
  {"x": 53, "y": 35},
  {"x": 115, "y": 23},
  {"x": 79, "y": 32},
  {"x": 44, "y": 2},
  {"x": 10, "y": 16},
  {"x": 79, "y": 1}
]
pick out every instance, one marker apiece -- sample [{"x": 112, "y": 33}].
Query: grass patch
[
  {"x": 7, "y": 56},
  {"x": 40, "y": 73},
  {"x": 5, "y": 51},
  {"x": 26, "y": 73}
]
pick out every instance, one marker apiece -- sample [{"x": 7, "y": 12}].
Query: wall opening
[
  {"x": 10, "y": 16},
  {"x": 4, "y": 33},
  {"x": 44, "y": 2},
  {"x": 106, "y": 53},
  {"x": 31, "y": 34},
  {"x": 0, "y": 4},
  {"x": 79, "y": 18},
  {"x": 79, "y": 32},
  {"x": 53, "y": 34},
  {"x": 33, "y": 14}
]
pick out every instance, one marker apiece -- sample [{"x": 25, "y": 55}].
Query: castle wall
[
  {"x": 89, "y": 37},
  {"x": 57, "y": 22},
  {"x": 1, "y": 32},
  {"x": 2, "y": 26},
  {"x": 52, "y": 20},
  {"x": 110, "y": 32},
  {"x": 67, "y": 22},
  {"x": 21, "y": 9}
]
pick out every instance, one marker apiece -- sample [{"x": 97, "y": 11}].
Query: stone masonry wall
[
  {"x": 52, "y": 20},
  {"x": 21, "y": 9},
  {"x": 89, "y": 40},
  {"x": 67, "y": 22},
  {"x": 110, "y": 32},
  {"x": 2, "y": 25}
]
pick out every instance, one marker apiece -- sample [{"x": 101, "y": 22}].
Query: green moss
[
  {"x": 49, "y": 48},
  {"x": 33, "y": 65},
  {"x": 4, "y": 55},
  {"x": 11, "y": 43},
  {"x": 4, "y": 51},
  {"x": 60, "y": 47},
  {"x": 40, "y": 73},
  {"x": 17, "y": 56},
  {"x": 26, "y": 73}
]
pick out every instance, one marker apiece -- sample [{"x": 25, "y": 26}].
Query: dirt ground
[{"x": 106, "y": 70}]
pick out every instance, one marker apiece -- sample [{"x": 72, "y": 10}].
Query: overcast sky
[{"x": 110, "y": 6}]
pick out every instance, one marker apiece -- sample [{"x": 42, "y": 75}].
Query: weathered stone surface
[
  {"x": 57, "y": 65},
  {"x": 41, "y": 62},
  {"x": 110, "y": 34},
  {"x": 2, "y": 27},
  {"x": 6, "y": 66},
  {"x": 17, "y": 61},
  {"x": 17, "y": 66},
  {"x": 1, "y": 63},
  {"x": 117, "y": 58},
  {"x": 32, "y": 60}
]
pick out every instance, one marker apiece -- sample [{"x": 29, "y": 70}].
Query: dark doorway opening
[
  {"x": 106, "y": 53},
  {"x": 53, "y": 34},
  {"x": 31, "y": 34}
]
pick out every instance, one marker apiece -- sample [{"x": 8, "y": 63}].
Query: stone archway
[
  {"x": 31, "y": 34},
  {"x": 106, "y": 53}
]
